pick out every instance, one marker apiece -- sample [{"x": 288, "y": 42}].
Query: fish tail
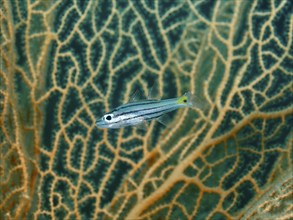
[{"x": 194, "y": 101}]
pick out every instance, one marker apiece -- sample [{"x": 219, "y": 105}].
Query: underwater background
[{"x": 66, "y": 63}]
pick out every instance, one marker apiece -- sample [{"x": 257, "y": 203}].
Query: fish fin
[
  {"x": 153, "y": 93},
  {"x": 194, "y": 101},
  {"x": 164, "y": 120},
  {"x": 139, "y": 94},
  {"x": 136, "y": 96},
  {"x": 142, "y": 126}
]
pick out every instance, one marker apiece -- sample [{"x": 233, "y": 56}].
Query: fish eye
[{"x": 108, "y": 117}]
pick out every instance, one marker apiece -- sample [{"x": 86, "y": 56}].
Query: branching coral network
[{"x": 65, "y": 63}]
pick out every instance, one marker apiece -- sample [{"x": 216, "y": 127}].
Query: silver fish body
[{"x": 135, "y": 113}]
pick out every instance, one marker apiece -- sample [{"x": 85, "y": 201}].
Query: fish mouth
[{"x": 101, "y": 124}]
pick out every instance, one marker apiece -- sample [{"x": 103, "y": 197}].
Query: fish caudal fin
[{"x": 193, "y": 101}]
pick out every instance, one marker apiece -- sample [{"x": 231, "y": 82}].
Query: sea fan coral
[{"x": 65, "y": 63}]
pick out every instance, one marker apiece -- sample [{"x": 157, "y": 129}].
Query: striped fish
[{"x": 136, "y": 113}]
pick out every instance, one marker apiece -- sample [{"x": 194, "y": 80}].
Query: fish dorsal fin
[
  {"x": 136, "y": 96},
  {"x": 153, "y": 93}
]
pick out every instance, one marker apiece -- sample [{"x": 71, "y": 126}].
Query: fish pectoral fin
[
  {"x": 164, "y": 120},
  {"x": 142, "y": 126}
]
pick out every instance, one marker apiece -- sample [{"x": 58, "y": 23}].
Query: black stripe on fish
[
  {"x": 157, "y": 115},
  {"x": 136, "y": 104},
  {"x": 141, "y": 110}
]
